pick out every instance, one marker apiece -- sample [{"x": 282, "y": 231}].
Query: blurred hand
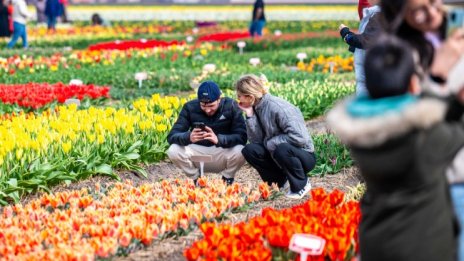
[
  {"x": 341, "y": 27},
  {"x": 210, "y": 135},
  {"x": 448, "y": 54},
  {"x": 461, "y": 95},
  {"x": 197, "y": 135}
]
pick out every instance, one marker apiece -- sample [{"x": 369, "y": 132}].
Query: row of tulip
[
  {"x": 79, "y": 35},
  {"x": 166, "y": 72},
  {"x": 38, "y": 151},
  {"x": 327, "y": 64},
  {"x": 267, "y": 237},
  {"x": 100, "y": 222},
  {"x": 72, "y": 144},
  {"x": 37, "y": 95}
]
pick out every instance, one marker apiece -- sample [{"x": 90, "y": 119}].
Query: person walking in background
[
  {"x": 4, "y": 19},
  {"x": 402, "y": 144},
  {"x": 209, "y": 126},
  {"x": 258, "y": 19},
  {"x": 361, "y": 5},
  {"x": 40, "y": 10},
  {"x": 369, "y": 28},
  {"x": 64, "y": 13},
  {"x": 281, "y": 148},
  {"x": 53, "y": 9},
  {"x": 20, "y": 16}
]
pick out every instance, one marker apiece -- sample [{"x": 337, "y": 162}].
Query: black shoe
[{"x": 228, "y": 181}]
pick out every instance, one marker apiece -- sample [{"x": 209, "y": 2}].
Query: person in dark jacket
[
  {"x": 210, "y": 125},
  {"x": 53, "y": 10},
  {"x": 402, "y": 144},
  {"x": 258, "y": 20},
  {"x": 4, "y": 21},
  {"x": 281, "y": 148}
]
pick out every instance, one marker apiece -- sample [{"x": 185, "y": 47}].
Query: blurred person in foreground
[
  {"x": 222, "y": 135},
  {"x": 281, "y": 148},
  {"x": 402, "y": 144},
  {"x": 423, "y": 24}
]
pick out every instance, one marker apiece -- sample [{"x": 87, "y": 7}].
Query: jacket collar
[
  {"x": 368, "y": 11},
  {"x": 375, "y": 129},
  {"x": 262, "y": 101}
]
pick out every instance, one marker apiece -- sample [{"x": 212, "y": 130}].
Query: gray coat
[{"x": 277, "y": 121}]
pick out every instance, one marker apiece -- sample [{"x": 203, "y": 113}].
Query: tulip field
[{"x": 83, "y": 124}]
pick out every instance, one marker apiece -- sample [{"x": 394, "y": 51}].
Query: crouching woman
[{"x": 281, "y": 148}]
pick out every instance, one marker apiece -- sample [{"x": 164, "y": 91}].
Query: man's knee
[
  {"x": 174, "y": 152},
  {"x": 249, "y": 150}
]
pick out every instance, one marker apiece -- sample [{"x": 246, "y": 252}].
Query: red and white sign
[{"x": 306, "y": 244}]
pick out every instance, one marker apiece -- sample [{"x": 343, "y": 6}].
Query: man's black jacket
[{"x": 227, "y": 123}]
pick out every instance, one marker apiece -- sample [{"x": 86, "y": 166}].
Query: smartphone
[
  {"x": 455, "y": 80},
  {"x": 200, "y": 125},
  {"x": 455, "y": 19}
]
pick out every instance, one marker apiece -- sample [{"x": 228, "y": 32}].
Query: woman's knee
[
  {"x": 283, "y": 150},
  {"x": 252, "y": 150}
]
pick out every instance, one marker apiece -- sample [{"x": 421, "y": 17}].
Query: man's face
[{"x": 211, "y": 107}]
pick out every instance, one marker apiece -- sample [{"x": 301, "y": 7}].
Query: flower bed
[
  {"x": 223, "y": 37},
  {"x": 133, "y": 44},
  {"x": 107, "y": 221},
  {"x": 37, "y": 95},
  {"x": 267, "y": 237}
]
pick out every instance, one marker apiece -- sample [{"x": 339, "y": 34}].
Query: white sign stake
[{"x": 306, "y": 244}]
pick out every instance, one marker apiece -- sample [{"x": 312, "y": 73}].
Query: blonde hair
[{"x": 251, "y": 84}]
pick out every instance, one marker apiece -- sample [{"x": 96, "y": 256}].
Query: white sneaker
[
  {"x": 285, "y": 188},
  {"x": 300, "y": 194}
]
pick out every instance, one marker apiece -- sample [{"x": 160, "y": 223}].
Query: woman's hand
[
  {"x": 448, "y": 55},
  {"x": 247, "y": 109}
]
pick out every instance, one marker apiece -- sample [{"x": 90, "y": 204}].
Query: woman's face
[
  {"x": 245, "y": 101},
  {"x": 424, "y": 15}
]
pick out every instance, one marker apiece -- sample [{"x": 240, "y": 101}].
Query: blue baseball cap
[{"x": 208, "y": 92}]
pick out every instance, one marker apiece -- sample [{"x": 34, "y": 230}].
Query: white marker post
[
  {"x": 240, "y": 46},
  {"x": 301, "y": 56},
  {"x": 140, "y": 76},
  {"x": 209, "y": 67},
  {"x": 75, "y": 82},
  {"x": 72, "y": 101},
  {"x": 255, "y": 61},
  {"x": 202, "y": 159},
  {"x": 306, "y": 244},
  {"x": 331, "y": 64}
]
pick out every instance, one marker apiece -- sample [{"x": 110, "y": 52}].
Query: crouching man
[{"x": 209, "y": 126}]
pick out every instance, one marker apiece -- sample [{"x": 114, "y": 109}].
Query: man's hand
[
  {"x": 197, "y": 135},
  {"x": 210, "y": 135}
]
